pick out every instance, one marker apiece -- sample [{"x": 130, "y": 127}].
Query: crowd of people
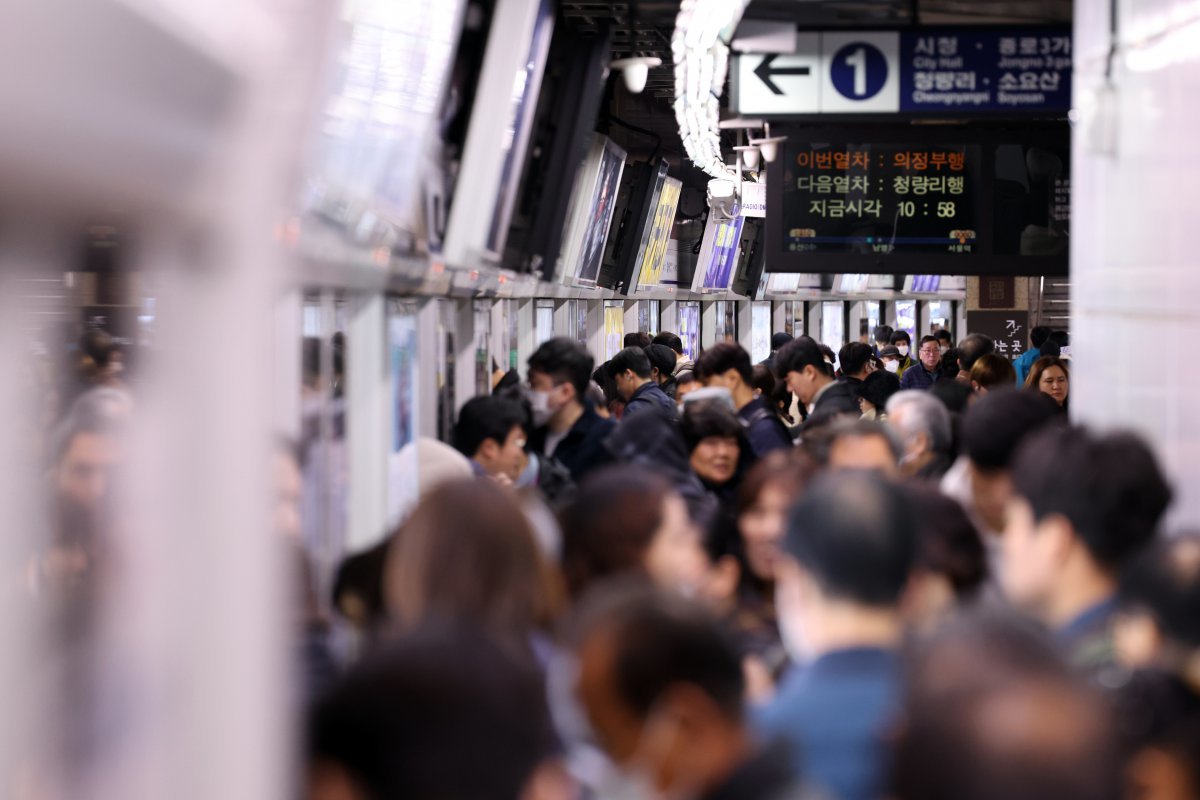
[
  {"x": 873, "y": 573},
  {"x": 846, "y": 575}
]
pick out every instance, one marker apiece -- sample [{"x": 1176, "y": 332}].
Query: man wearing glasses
[{"x": 924, "y": 373}]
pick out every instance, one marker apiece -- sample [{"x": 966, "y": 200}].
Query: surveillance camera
[
  {"x": 636, "y": 70},
  {"x": 723, "y": 198}
]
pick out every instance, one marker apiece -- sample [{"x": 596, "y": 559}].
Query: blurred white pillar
[
  {"x": 31, "y": 700},
  {"x": 1135, "y": 200}
]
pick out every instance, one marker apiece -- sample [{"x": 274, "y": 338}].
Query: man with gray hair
[{"x": 923, "y": 425}]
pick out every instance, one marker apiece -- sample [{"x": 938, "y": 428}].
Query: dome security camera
[
  {"x": 723, "y": 198},
  {"x": 635, "y": 71}
]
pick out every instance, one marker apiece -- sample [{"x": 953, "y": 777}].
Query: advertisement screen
[{"x": 718, "y": 255}]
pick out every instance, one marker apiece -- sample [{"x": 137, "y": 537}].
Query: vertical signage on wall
[{"x": 1008, "y": 329}]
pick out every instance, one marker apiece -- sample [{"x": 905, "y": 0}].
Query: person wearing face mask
[
  {"x": 802, "y": 365},
  {"x": 945, "y": 341},
  {"x": 924, "y": 373},
  {"x": 567, "y": 427},
  {"x": 890, "y": 357},
  {"x": 903, "y": 344},
  {"x": 851, "y": 545},
  {"x": 661, "y": 687}
]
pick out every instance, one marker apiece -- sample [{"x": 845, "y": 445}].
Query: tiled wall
[{"x": 1135, "y": 254}]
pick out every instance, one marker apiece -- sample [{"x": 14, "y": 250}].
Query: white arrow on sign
[{"x": 780, "y": 84}]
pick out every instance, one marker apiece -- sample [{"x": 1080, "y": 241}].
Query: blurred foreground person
[
  {"x": 1083, "y": 505},
  {"x": 922, "y": 422},
  {"x": 763, "y": 502},
  {"x": 358, "y": 583},
  {"x": 629, "y": 521},
  {"x": 87, "y": 449},
  {"x": 951, "y": 567},
  {"x": 662, "y": 689},
  {"x": 468, "y": 555},
  {"x": 981, "y": 479},
  {"x": 444, "y": 713},
  {"x": 1158, "y": 627},
  {"x": 992, "y": 713},
  {"x": 1157, "y": 634},
  {"x": 850, "y": 548},
  {"x": 863, "y": 444}
]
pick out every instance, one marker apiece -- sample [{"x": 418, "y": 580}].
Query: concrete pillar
[{"x": 1134, "y": 206}]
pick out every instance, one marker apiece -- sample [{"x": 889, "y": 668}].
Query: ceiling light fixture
[{"x": 636, "y": 70}]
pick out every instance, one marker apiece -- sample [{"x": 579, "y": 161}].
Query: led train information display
[
  {"x": 961, "y": 201},
  {"x": 881, "y": 198}
]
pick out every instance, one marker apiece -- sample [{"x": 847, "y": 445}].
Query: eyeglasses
[{"x": 931, "y": 351}]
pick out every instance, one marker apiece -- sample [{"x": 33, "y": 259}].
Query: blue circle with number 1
[{"x": 859, "y": 71}]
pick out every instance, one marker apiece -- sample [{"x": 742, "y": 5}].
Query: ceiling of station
[{"x": 644, "y": 27}]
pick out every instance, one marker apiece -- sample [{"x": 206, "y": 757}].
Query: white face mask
[
  {"x": 903, "y": 349},
  {"x": 890, "y": 366},
  {"x": 943, "y": 349},
  {"x": 614, "y": 783},
  {"x": 539, "y": 402},
  {"x": 791, "y": 630},
  {"x": 634, "y": 780}
]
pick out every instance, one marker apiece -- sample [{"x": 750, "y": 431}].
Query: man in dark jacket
[
  {"x": 728, "y": 365},
  {"x": 662, "y": 686},
  {"x": 662, "y": 368},
  {"x": 567, "y": 427},
  {"x": 778, "y": 340},
  {"x": 802, "y": 365},
  {"x": 630, "y": 369},
  {"x": 924, "y": 373},
  {"x": 855, "y": 361}
]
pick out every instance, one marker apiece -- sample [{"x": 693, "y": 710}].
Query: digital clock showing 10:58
[{"x": 881, "y": 198}]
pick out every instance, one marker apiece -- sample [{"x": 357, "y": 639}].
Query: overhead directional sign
[
  {"x": 928, "y": 70},
  {"x": 860, "y": 72},
  {"x": 765, "y": 71},
  {"x": 778, "y": 84}
]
